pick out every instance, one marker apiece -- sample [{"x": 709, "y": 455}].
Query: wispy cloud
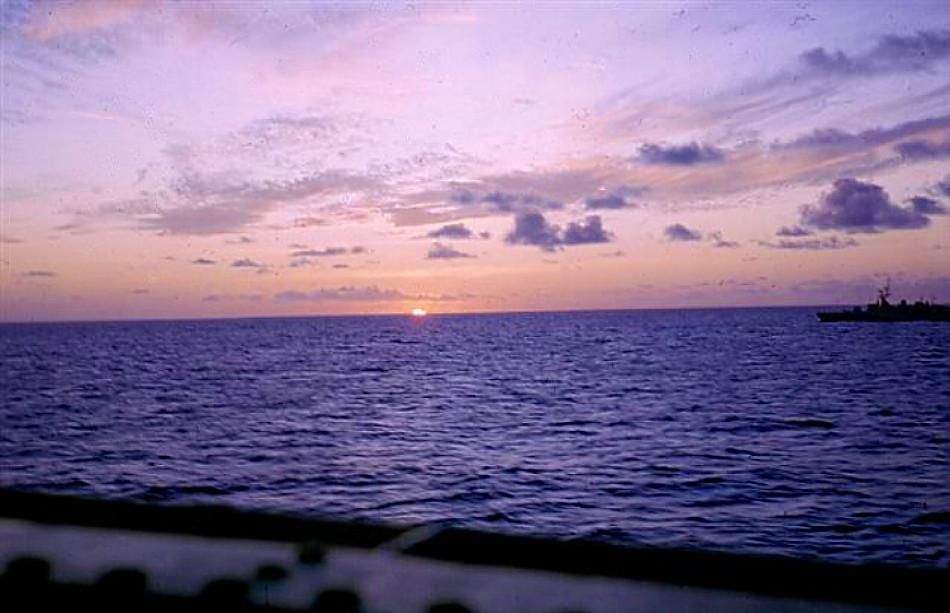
[
  {"x": 890, "y": 54},
  {"x": 351, "y": 293},
  {"x": 438, "y": 251},
  {"x": 320, "y": 253},
  {"x": 222, "y": 204},
  {"x": 246, "y": 263},
  {"x": 793, "y": 231},
  {"x": 38, "y": 273},
  {"x": 721, "y": 243},
  {"x": 619, "y": 198},
  {"x": 816, "y": 244}
]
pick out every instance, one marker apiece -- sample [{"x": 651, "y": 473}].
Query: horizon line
[{"x": 408, "y": 314}]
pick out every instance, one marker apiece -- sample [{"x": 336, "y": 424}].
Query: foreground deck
[{"x": 62, "y": 552}]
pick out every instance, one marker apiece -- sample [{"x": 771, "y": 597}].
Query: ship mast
[{"x": 884, "y": 293}]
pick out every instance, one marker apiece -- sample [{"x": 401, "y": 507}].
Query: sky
[{"x": 225, "y": 159}]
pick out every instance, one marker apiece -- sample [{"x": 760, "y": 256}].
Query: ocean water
[{"x": 747, "y": 430}]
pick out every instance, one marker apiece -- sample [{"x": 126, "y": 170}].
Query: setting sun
[{"x": 418, "y": 312}]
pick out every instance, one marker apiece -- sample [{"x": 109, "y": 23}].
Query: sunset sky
[{"x": 205, "y": 159}]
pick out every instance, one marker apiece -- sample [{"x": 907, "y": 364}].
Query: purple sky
[{"x": 184, "y": 159}]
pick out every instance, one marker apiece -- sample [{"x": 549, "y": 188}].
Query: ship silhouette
[{"x": 884, "y": 310}]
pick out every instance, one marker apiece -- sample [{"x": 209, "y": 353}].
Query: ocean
[{"x": 742, "y": 430}]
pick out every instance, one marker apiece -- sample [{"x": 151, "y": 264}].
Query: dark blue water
[{"x": 756, "y": 430}]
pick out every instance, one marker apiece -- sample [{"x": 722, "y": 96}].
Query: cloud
[
  {"x": 452, "y": 230},
  {"x": 854, "y": 206},
  {"x": 891, "y": 54},
  {"x": 9, "y": 240},
  {"x": 202, "y": 261},
  {"x": 533, "y": 229},
  {"x": 944, "y": 187},
  {"x": 815, "y": 244},
  {"x": 690, "y": 154},
  {"x": 39, "y": 273},
  {"x": 611, "y": 201},
  {"x": 679, "y": 232},
  {"x": 370, "y": 293},
  {"x": 720, "y": 243},
  {"x": 617, "y": 199},
  {"x": 320, "y": 253},
  {"x": 438, "y": 251},
  {"x": 838, "y": 140},
  {"x": 927, "y": 206},
  {"x": 916, "y": 150},
  {"x": 345, "y": 293},
  {"x": 505, "y": 202},
  {"x": 221, "y": 203},
  {"x": 307, "y": 222},
  {"x": 221, "y": 297},
  {"x": 793, "y": 231},
  {"x": 589, "y": 231},
  {"x": 139, "y": 292},
  {"x": 246, "y": 263}
]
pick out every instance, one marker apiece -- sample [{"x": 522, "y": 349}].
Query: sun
[{"x": 417, "y": 312}]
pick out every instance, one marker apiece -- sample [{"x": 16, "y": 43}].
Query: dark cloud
[
  {"x": 39, "y": 273},
  {"x": 533, "y": 229},
  {"x": 358, "y": 249},
  {"x": 854, "y": 206},
  {"x": 891, "y": 54},
  {"x": 927, "y": 206},
  {"x": 452, "y": 230},
  {"x": 300, "y": 263},
  {"x": 320, "y": 253},
  {"x": 679, "y": 232},
  {"x": 793, "y": 231},
  {"x": 340, "y": 266},
  {"x": 814, "y": 244},
  {"x": 689, "y": 154},
  {"x": 589, "y": 231},
  {"x": 916, "y": 150},
  {"x": 246, "y": 263},
  {"x": 612, "y": 201},
  {"x": 944, "y": 187},
  {"x": 438, "y": 251},
  {"x": 202, "y": 261}
]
